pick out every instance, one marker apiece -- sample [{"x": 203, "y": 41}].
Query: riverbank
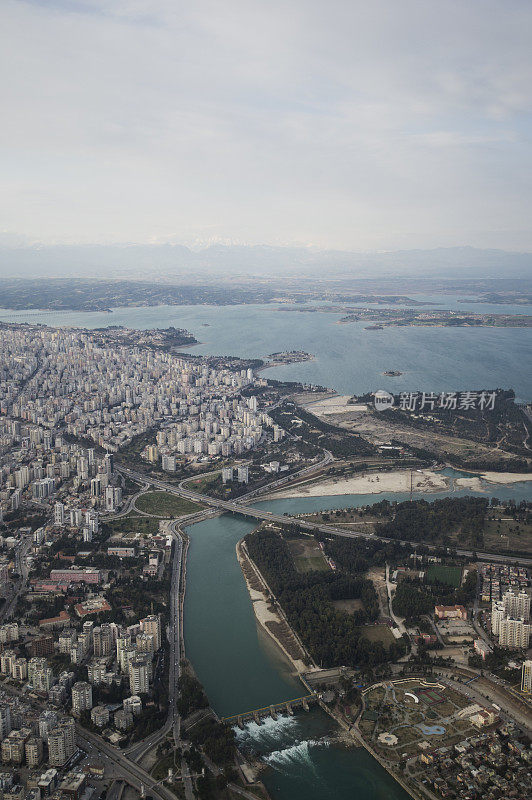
[
  {"x": 369, "y": 483},
  {"x": 267, "y": 612},
  {"x": 270, "y": 615},
  {"x": 426, "y": 481}
]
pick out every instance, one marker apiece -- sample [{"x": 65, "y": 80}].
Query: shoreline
[{"x": 426, "y": 480}]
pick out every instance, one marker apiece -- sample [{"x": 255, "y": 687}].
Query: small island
[{"x": 289, "y": 357}]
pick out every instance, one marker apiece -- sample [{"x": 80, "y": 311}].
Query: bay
[{"x": 348, "y": 358}]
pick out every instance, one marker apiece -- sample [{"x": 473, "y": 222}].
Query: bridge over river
[{"x": 241, "y": 506}]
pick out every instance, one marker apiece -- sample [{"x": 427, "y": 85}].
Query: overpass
[{"x": 241, "y": 506}]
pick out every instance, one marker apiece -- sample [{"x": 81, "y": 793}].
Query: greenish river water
[{"x": 242, "y": 669}]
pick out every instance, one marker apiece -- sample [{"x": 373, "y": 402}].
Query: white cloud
[{"x": 349, "y": 124}]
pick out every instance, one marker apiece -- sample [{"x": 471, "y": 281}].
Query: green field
[
  {"x": 307, "y": 555},
  {"x": 165, "y": 505},
  {"x": 378, "y": 633},
  {"x": 507, "y": 534},
  {"x": 452, "y": 576},
  {"x": 133, "y": 523}
]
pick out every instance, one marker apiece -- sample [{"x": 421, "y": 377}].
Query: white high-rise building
[
  {"x": 139, "y": 675},
  {"x": 83, "y": 468},
  {"x": 514, "y": 633},
  {"x": 102, "y": 640},
  {"x": 526, "y": 677},
  {"x": 61, "y": 742},
  {"x": 152, "y": 624},
  {"x": 81, "y": 697},
  {"x": 227, "y": 474},
  {"x": 7, "y": 659},
  {"x": 497, "y": 614},
  {"x": 59, "y": 514},
  {"x": 517, "y": 605},
  {"x": 47, "y": 721},
  {"x": 168, "y": 463},
  {"x": 133, "y": 704},
  {"x": 19, "y": 669},
  {"x": 113, "y": 498}
]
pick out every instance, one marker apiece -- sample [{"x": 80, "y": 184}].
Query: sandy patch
[
  {"x": 372, "y": 483},
  {"x": 506, "y": 477},
  {"x": 333, "y": 405},
  {"x": 474, "y": 484},
  {"x": 267, "y": 614}
]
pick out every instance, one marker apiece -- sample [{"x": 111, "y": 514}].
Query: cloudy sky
[{"x": 369, "y": 125}]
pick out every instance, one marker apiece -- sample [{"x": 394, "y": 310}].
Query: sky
[{"x": 375, "y": 125}]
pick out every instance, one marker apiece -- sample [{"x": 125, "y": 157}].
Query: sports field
[
  {"x": 307, "y": 555},
  {"x": 452, "y": 576}
]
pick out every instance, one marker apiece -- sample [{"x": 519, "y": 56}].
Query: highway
[
  {"x": 241, "y": 506},
  {"x": 117, "y": 765},
  {"x": 21, "y": 567},
  {"x": 173, "y": 723},
  {"x": 125, "y": 763}
]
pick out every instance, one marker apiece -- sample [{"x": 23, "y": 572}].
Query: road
[
  {"x": 173, "y": 721},
  {"x": 496, "y": 694},
  {"x": 123, "y": 765},
  {"x": 118, "y": 766},
  {"x": 240, "y": 506},
  {"x": 21, "y": 567},
  {"x": 399, "y": 622}
]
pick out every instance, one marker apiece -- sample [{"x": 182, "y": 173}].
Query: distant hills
[{"x": 175, "y": 263}]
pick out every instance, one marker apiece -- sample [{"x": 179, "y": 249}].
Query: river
[{"x": 241, "y": 669}]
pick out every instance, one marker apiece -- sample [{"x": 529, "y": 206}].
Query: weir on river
[
  {"x": 241, "y": 668},
  {"x": 271, "y": 711}
]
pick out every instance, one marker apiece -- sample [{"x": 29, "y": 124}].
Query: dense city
[{"x": 108, "y": 440}]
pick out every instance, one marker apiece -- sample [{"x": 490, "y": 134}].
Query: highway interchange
[{"x": 241, "y": 506}]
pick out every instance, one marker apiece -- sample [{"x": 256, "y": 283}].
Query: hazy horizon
[
  {"x": 344, "y": 126},
  {"x": 173, "y": 262}
]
